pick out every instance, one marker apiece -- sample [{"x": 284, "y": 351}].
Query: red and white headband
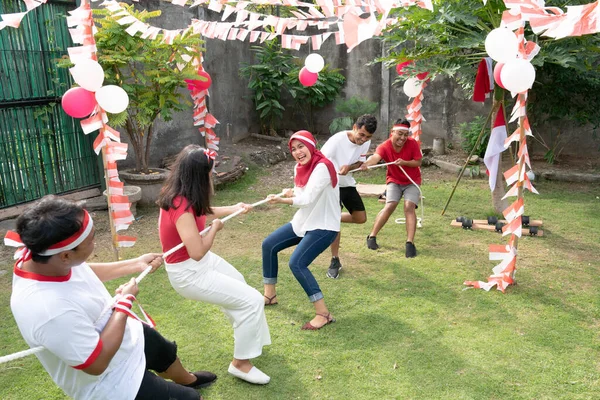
[
  {"x": 14, "y": 240},
  {"x": 400, "y": 127}
]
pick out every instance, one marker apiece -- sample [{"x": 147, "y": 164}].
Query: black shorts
[
  {"x": 160, "y": 354},
  {"x": 350, "y": 199}
]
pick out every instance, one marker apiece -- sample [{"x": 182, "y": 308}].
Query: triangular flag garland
[
  {"x": 516, "y": 177},
  {"x": 414, "y": 115},
  {"x": 202, "y": 118},
  {"x": 108, "y": 141}
]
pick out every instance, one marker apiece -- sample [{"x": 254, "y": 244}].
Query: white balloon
[
  {"x": 112, "y": 99},
  {"x": 530, "y": 175},
  {"x": 88, "y": 74},
  {"x": 412, "y": 87},
  {"x": 517, "y": 75},
  {"x": 502, "y": 45},
  {"x": 314, "y": 63}
]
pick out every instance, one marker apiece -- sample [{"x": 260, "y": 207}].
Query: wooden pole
[
  {"x": 494, "y": 109},
  {"x": 113, "y": 230}
]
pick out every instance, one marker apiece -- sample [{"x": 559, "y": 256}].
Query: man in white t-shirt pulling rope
[
  {"x": 58, "y": 301},
  {"x": 347, "y": 150}
]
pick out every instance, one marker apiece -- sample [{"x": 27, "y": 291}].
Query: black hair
[
  {"x": 368, "y": 121},
  {"x": 47, "y": 222},
  {"x": 401, "y": 121},
  {"x": 190, "y": 179}
]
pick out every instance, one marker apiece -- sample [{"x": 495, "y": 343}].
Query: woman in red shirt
[{"x": 198, "y": 274}]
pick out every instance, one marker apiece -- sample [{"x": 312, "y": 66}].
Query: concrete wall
[{"x": 444, "y": 107}]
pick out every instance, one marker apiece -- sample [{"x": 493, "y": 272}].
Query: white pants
[{"x": 215, "y": 281}]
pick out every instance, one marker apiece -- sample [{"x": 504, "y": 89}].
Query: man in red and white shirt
[
  {"x": 402, "y": 179},
  {"x": 93, "y": 349}
]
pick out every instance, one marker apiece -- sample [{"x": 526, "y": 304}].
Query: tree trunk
[{"x": 135, "y": 143}]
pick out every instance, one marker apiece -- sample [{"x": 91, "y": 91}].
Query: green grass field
[{"x": 406, "y": 328}]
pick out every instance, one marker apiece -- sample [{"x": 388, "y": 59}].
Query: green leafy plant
[
  {"x": 319, "y": 95},
  {"x": 554, "y": 146},
  {"x": 351, "y": 109},
  {"x": 267, "y": 79},
  {"x": 469, "y": 131},
  {"x": 147, "y": 70}
]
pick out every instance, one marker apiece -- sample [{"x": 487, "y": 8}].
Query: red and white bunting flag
[
  {"x": 524, "y": 154},
  {"x": 92, "y": 123},
  {"x": 495, "y": 147},
  {"x": 126, "y": 241},
  {"x": 119, "y": 203},
  {"x": 498, "y": 251},
  {"x": 513, "y": 227},
  {"x": 512, "y": 175},
  {"x": 122, "y": 217},
  {"x": 516, "y": 209},
  {"x": 480, "y": 285},
  {"x": 527, "y": 185},
  {"x": 100, "y": 142},
  {"x": 507, "y": 266},
  {"x": 115, "y": 187}
]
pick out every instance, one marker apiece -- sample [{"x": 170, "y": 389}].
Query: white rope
[
  {"x": 39, "y": 349},
  {"x": 419, "y": 220},
  {"x": 402, "y": 220}
]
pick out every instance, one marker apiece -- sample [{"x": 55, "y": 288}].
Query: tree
[
  {"x": 450, "y": 41},
  {"x": 148, "y": 71}
]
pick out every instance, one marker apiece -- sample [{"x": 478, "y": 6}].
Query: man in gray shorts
[{"x": 406, "y": 155}]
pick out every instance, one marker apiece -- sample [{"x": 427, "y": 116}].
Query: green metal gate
[{"x": 42, "y": 150}]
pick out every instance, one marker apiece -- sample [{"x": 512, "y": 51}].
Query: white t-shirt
[
  {"x": 60, "y": 314},
  {"x": 319, "y": 203},
  {"x": 341, "y": 151}
]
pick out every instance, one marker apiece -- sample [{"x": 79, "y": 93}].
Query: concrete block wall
[{"x": 444, "y": 107}]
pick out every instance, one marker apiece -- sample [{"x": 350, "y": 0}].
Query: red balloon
[
  {"x": 422, "y": 75},
  {"x": 204, "y": 84},
  {"x": 78, "y": 102},
  {"x": 401, "y": 66},
  {"x": 307, "y": 78},
  {"x": 197, "y": 84},
  {"x": 497, "y": 71}
]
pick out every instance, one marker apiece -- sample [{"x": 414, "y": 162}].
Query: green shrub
[
  {"x": 469, "y": 131},
  {"x": 352, "y": 108}
]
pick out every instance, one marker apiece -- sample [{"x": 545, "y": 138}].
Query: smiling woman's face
[{"x": 300, "y": 152}]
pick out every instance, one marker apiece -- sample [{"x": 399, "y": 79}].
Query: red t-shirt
[
  {"x": 409, "y": 151},
  {"x": 167, "y": 231}
]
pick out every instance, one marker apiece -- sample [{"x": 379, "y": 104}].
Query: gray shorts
[{"x": 394, "y": 192}]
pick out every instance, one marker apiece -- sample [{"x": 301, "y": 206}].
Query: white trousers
[{"x": 215, "y": 281}]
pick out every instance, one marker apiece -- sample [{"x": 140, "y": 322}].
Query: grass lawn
[{"x": 406, "y": 329}]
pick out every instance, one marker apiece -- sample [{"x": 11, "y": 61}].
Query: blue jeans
[{"x": 309, "y": 247}]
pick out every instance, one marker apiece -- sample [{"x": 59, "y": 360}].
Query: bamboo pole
[
  {"x": 113, "y": 229},
  {"x": 494, "y": 109}
]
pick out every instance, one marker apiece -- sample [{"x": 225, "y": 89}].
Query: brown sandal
[
  {"x": 310, "y": 327},
  {"x": 270, "y": 300}
]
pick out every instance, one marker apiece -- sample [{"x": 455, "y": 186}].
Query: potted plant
[{"x": 152, "y": 73}]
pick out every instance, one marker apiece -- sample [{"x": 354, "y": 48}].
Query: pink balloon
[
  {"x": 78, "y": 102},
  {"x": 497, "y": 71},
  {"x": 307, "y": 78}
]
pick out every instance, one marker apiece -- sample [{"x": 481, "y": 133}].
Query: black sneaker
[
  {"x": 372, "y": 243},
  {"x": 334, "y": 268},
  {"x": 411, "y": 250}
]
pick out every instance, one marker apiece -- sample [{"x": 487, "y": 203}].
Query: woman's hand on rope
[
  {"x": 244, "y": 206},
  {"x": 216, "y": 225},
  {"x": 130, "y": 287},
  {"x": 287, "y": 193},
  {"x": 153, "y": 260}
]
